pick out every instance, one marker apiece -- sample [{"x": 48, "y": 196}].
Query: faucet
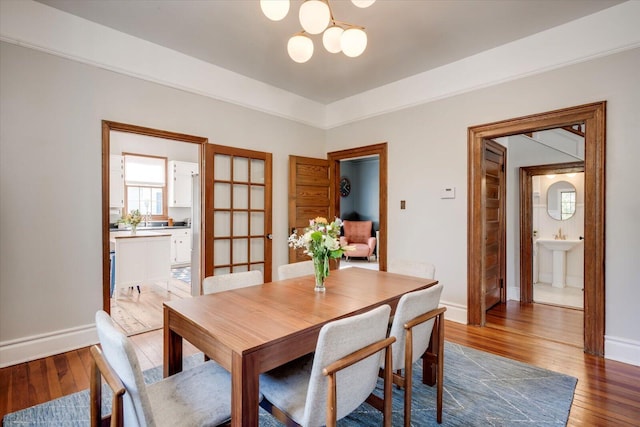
[{"x": 560, "y": 236}]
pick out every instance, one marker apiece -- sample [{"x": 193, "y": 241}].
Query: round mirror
[{"x": 561, "y": 200}]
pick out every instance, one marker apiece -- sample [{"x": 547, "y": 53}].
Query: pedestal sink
[{"x": 559, "y": 248}]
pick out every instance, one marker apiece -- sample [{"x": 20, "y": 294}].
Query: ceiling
[{"x": 405, "y": 37}]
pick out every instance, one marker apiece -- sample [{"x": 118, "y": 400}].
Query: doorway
[
  {"x": 109, "y": 129},
  {"x": 380, "y": 152},
  {"x": 593, "y": 117},
  {"x": 530, "y": 270}
]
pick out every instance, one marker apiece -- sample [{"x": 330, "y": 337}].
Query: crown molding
[
  {"x": 35, "y": 25},
  {"x": 31, "y": 24},
  {"x": 604, "y": 33}
]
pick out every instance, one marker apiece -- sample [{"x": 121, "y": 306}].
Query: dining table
[{"x": 253, "y": 329}]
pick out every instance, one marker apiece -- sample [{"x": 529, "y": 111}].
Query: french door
[{"x": 237, "y": 212}]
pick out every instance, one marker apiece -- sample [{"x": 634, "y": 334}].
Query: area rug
[{"x": 480, "y": 389}]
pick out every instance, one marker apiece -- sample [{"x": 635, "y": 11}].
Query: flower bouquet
[
  {"x": 321, "y": 241},
  {"x": 133, "y": 218}
]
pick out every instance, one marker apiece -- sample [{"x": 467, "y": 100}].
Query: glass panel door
[{"x": 238, "y": 223}]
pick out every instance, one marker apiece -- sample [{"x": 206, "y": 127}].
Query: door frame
[
  {"x": 594, "y": 117},
  {"x": 526, "y": 219},
  {"x": 379, "y": 150},
  {"x": 107, "y": 127}
]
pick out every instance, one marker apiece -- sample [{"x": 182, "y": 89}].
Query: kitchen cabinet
[
  {"x": 179, "y": 183},
  {"x": 116, "y": 181},
  {"x": 181, "y": 246}
]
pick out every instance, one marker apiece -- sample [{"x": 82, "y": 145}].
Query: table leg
[
  {"x": 172, "y": 353},
  {"x": 429, "y": 368},
  {"x": 245, "y": 383}
]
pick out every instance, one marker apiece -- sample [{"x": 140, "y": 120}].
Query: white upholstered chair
[
  {"x": 323, "y": 388},
  {"x": 225, "y": 282},
  {"x": 200, "y": 396},
  {"x": 296, "y": 269},
  {"x": 421, "y": 269},
  {"x": 412, "y": 326}
]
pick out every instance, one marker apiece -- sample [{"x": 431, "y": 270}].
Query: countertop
[{"x": 152, "y": 227}]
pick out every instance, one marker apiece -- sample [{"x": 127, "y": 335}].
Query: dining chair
[
  {"x": 225, "y": 282},
  {"x": 412, "y": 326},
  {"x": 340, "y": 375},
  {"x": 296, "y": 269},
  {"x": 421, "y": 269},
  {"x": 200, "y": 396}
]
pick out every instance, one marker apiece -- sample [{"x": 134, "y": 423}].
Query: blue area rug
[{"x": 480, "y": 389}]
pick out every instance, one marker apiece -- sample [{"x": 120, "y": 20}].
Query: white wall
[
  {"x": 428, "y": 151},
  {"x": 50, "y": 184}
]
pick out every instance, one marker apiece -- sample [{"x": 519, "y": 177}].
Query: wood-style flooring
[
  {"x": 607, "y": 393},
  {"x": 136, "y": 312}
]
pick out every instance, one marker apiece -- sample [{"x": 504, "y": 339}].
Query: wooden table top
[{"x": 277, "y": 311}]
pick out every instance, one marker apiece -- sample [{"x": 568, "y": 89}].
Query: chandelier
[{"x": 316, "y": 17}]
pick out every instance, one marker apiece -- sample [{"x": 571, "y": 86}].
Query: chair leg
[
  {"x": 440, "y": 367},
  {"x": 408, "y": 376}
]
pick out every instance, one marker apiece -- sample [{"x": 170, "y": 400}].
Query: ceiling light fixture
[{"x": 316, "y": 17}]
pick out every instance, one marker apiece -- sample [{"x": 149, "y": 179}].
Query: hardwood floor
[
  {"x": 560, "y": 324},
  {"x": 607, "y": 393}
]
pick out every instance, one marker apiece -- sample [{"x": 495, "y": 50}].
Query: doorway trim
[
  {"x": 526, "y": 219},
  {"x": 379, "y": 150},
  {"x": 594, "y": 118},
  {"x": 107, "y": 127}
]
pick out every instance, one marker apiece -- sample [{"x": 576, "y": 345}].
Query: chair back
[
  {"x": 409, "y": 307},
  {"x": 121, "y": 355},
  {"x": 357, "y": 231},
  {"x": 225, "y": 282},
  {"x": 421, "y": 269},
  {"x": 297, "y": 269},
  {"x": 354, "y": 384}
]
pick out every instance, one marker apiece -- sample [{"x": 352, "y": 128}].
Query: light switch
[
  {"x": 403, "y": 204},
  {"x": 448, "y": 193}
]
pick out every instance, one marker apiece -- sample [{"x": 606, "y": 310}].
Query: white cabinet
[
  {"x": 116, "y": 181},
  {"x": 142, "y": 258},
  {"x": 180, "y": 246},
  {"x": 180, "y": 183}
]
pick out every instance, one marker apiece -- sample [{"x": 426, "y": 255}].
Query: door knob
[
  {"x": 269, "y": 236},
  {"x": 581, "y": 237}
]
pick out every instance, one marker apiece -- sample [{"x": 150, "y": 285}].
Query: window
[
  {"x": 567, "y": 204},
  {"x": 145, "y": 180}
]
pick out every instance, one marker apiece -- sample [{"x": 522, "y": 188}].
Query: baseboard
[
  {"x": 455, "y": 312},
  {"x": 622, "y": 350},
  {"x": 43, "y": 345}
]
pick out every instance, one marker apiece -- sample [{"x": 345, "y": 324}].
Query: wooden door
[
  {"x": 494, "y": 223},
  {"x": 237, "y": 211},
  {"x": 309, "y": 196}
]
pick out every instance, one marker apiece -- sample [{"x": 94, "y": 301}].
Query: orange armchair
[{"x": 358, "y": 235}]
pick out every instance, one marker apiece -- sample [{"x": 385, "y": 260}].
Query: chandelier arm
[{"x": 347, "y": 24}]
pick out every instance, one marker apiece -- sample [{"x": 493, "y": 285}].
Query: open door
[
  {"x": 237, "y": 213},
  {"x": 310, "y": 196},
  {"x": 494, "y": 223}
]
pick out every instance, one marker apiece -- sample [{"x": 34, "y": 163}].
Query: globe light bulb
[
  {"x": 275, "y": 10},
  {"x": 300, "y": 48},
  {"x": 363, "y": 3},
  {"x": 331, "y": 39},
  {"x": 353, "y": 42},
  {"x": 314, "y": 16}
]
